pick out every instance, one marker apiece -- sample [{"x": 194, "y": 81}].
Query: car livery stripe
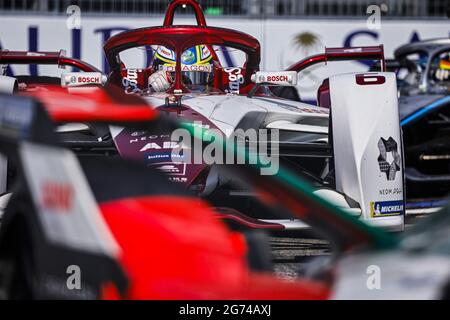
[{"x": 423, "y": 111}]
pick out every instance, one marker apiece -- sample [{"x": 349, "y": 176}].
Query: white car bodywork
[
  {"x": 7, "y": 84},
  {"x": 362, "y": 114}
]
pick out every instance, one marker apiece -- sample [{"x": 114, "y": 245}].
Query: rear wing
[
  {"x": 342, "y": 54},
  {"x": 335, "y": 54},
  {"x": 44, "y": 57}
]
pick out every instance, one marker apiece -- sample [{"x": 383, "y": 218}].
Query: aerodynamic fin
[{"x": 367, "y": 145}]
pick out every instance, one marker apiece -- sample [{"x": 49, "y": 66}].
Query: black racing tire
[
  {"x": 259, "y": 254},
  {"x": 18, "y": 267}
]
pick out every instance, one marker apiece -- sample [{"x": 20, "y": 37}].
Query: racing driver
[
  {"x": 197, "y": 68},
  {"x": 442, "y": 72}
]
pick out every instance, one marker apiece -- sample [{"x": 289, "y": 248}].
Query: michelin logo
[{"x": 386, "y": 208}]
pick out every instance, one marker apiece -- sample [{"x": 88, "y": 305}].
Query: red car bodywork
[{"x": 173, "y": 248}]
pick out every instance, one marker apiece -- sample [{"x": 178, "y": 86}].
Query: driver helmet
[
  {"x": 444, "y": 63},
  {"x": 196, "y": 64},
  {"x": 441, "y": 70}
]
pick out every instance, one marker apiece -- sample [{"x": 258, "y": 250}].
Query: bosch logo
[
  {"x": 283, "y": 78},
  {"x": 88, "y": 80},
  {"x": 74, "y": 79},
  {"x": 277, "y": 78}
]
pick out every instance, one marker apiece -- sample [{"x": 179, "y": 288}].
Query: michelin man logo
[{"x": 386, "y": 147}]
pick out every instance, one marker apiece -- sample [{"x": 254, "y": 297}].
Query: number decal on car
[{"x": 369, "y": 78}]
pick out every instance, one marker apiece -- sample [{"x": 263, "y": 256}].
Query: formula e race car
[
  {"x": 150, "y": 239},
  {"x": 349, "y": 147},
  {"x": 423, "y": 72}
]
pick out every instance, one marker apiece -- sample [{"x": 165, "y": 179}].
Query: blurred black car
[{"x": 423, "y": 73}]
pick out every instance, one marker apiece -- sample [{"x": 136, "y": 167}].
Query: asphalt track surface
[{"x": 291, "y": 255}]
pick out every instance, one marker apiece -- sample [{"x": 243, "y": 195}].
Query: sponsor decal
[
  {"x": 178, "y": 179},
  {"x": 157, "y": 157},
  {"x": 74, "y": 79},
  {"x": 188, "y": 57},
  {"x": 204, "y": 53},
  {"x": 282, "y": 78},
  {"x": 235, "y": 79},
  {"x": 386, "y": 208},
  {"x": 180, "y": 147},
  {"x": 364, "y": 79},
  {"x": 138, "y": 133},
  {"x": 185, "y": 67},
  {"x": 352, "y": 50},
  {"x": 162, "y": 157},
  {"x": 143, "y": 136},
  {"x": 159, "y": 146},
  {"x": 65, "y": 206},
  {"x": 171, "y": 168},
  {"x": 387, "y": 166},
  {"x": 130, "y": 81},
  {"x": 35, "y": 54},
  {"x": 277, "y": 78},
  {"x": 166, "y": 53},
  {"x": 57, "y": 197},
  {"x": 390, "y": 191},
  {"x": 88, "y": 80}
]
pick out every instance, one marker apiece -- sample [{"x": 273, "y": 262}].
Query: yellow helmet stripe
[{"x": 164, "y": 59}]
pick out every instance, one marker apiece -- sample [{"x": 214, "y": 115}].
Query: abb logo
[
  {"x": 369, "y": 79},
  {"x": 57, "y": 196},
  {"x": 277, "y": 78}
]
